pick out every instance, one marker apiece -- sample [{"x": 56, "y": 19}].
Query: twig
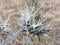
[{"x": 11, "y": 37}]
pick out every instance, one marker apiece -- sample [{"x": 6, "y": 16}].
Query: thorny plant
[{"x": 29, "y": 22}]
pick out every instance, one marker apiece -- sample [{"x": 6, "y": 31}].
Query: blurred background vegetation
[{"x": 50, "y": 10}]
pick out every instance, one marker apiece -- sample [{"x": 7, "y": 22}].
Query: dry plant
[{"x": 29, "y": 21}]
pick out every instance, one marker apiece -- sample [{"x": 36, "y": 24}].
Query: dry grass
[{"x": 51, "y": 9}]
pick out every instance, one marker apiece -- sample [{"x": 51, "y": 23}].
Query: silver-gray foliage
[{"x": 27, "y": 22}]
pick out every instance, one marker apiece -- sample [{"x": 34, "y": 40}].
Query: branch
[
  {"x": 28, "y": 41},
  {"x": 10, "y": 38}
]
